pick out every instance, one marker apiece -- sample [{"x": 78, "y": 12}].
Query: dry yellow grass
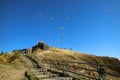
[
  {"x": 59, "y": 54},
  {"x": 12, "y": 67},
  {"x": 69, "y": 55},
  {"x": 11, "y": 72},
  {"x": 5, "y": 57}
]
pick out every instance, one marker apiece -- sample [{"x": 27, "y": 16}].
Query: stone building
[{"x": 40, "y": 46}]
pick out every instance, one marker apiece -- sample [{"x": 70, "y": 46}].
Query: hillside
[
  {"x": 57, "y": 55},
  {"x": 13, "y": 66}
]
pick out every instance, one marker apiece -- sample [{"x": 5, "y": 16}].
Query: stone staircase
[{"x": 44, "y": 74}]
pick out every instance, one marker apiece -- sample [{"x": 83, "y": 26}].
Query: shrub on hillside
[
  {"x": 16, "y": 55},
  {"x": 5, "y": 57},
  {"x": 2, "y": 52}
]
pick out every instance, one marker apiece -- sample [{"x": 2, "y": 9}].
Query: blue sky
[{"x": 90, "y": 26}]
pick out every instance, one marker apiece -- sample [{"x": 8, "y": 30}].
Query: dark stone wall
[
  {"x": 41, "y": 46},
  {"x": 46, "y": 47}
]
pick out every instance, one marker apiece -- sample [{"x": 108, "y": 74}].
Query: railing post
[
  {"x": 64, "y": 68},
  {"x": 101, "y": 72},
  {"x": 50, "y": 63}
]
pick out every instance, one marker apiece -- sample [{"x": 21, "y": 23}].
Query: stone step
[
  {"x": 63, "y": 78},
  {"x": 49, "y": 79},
  {"x": 58, "y": 78},
  {"x": 48, "y": 75},
  {"x": 40, "y": 73},
  {"x": 42, "y": 70},
  {"x": 38, "y": 70},
  {"x": 52, "y": 75},
  {"x": 34, "y": 70},
  {"x": 42, "y": 76}
]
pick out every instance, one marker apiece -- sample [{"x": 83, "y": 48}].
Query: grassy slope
[
  {"x": 62, "y": 54},
  {"x": 12, "y": 67}
]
